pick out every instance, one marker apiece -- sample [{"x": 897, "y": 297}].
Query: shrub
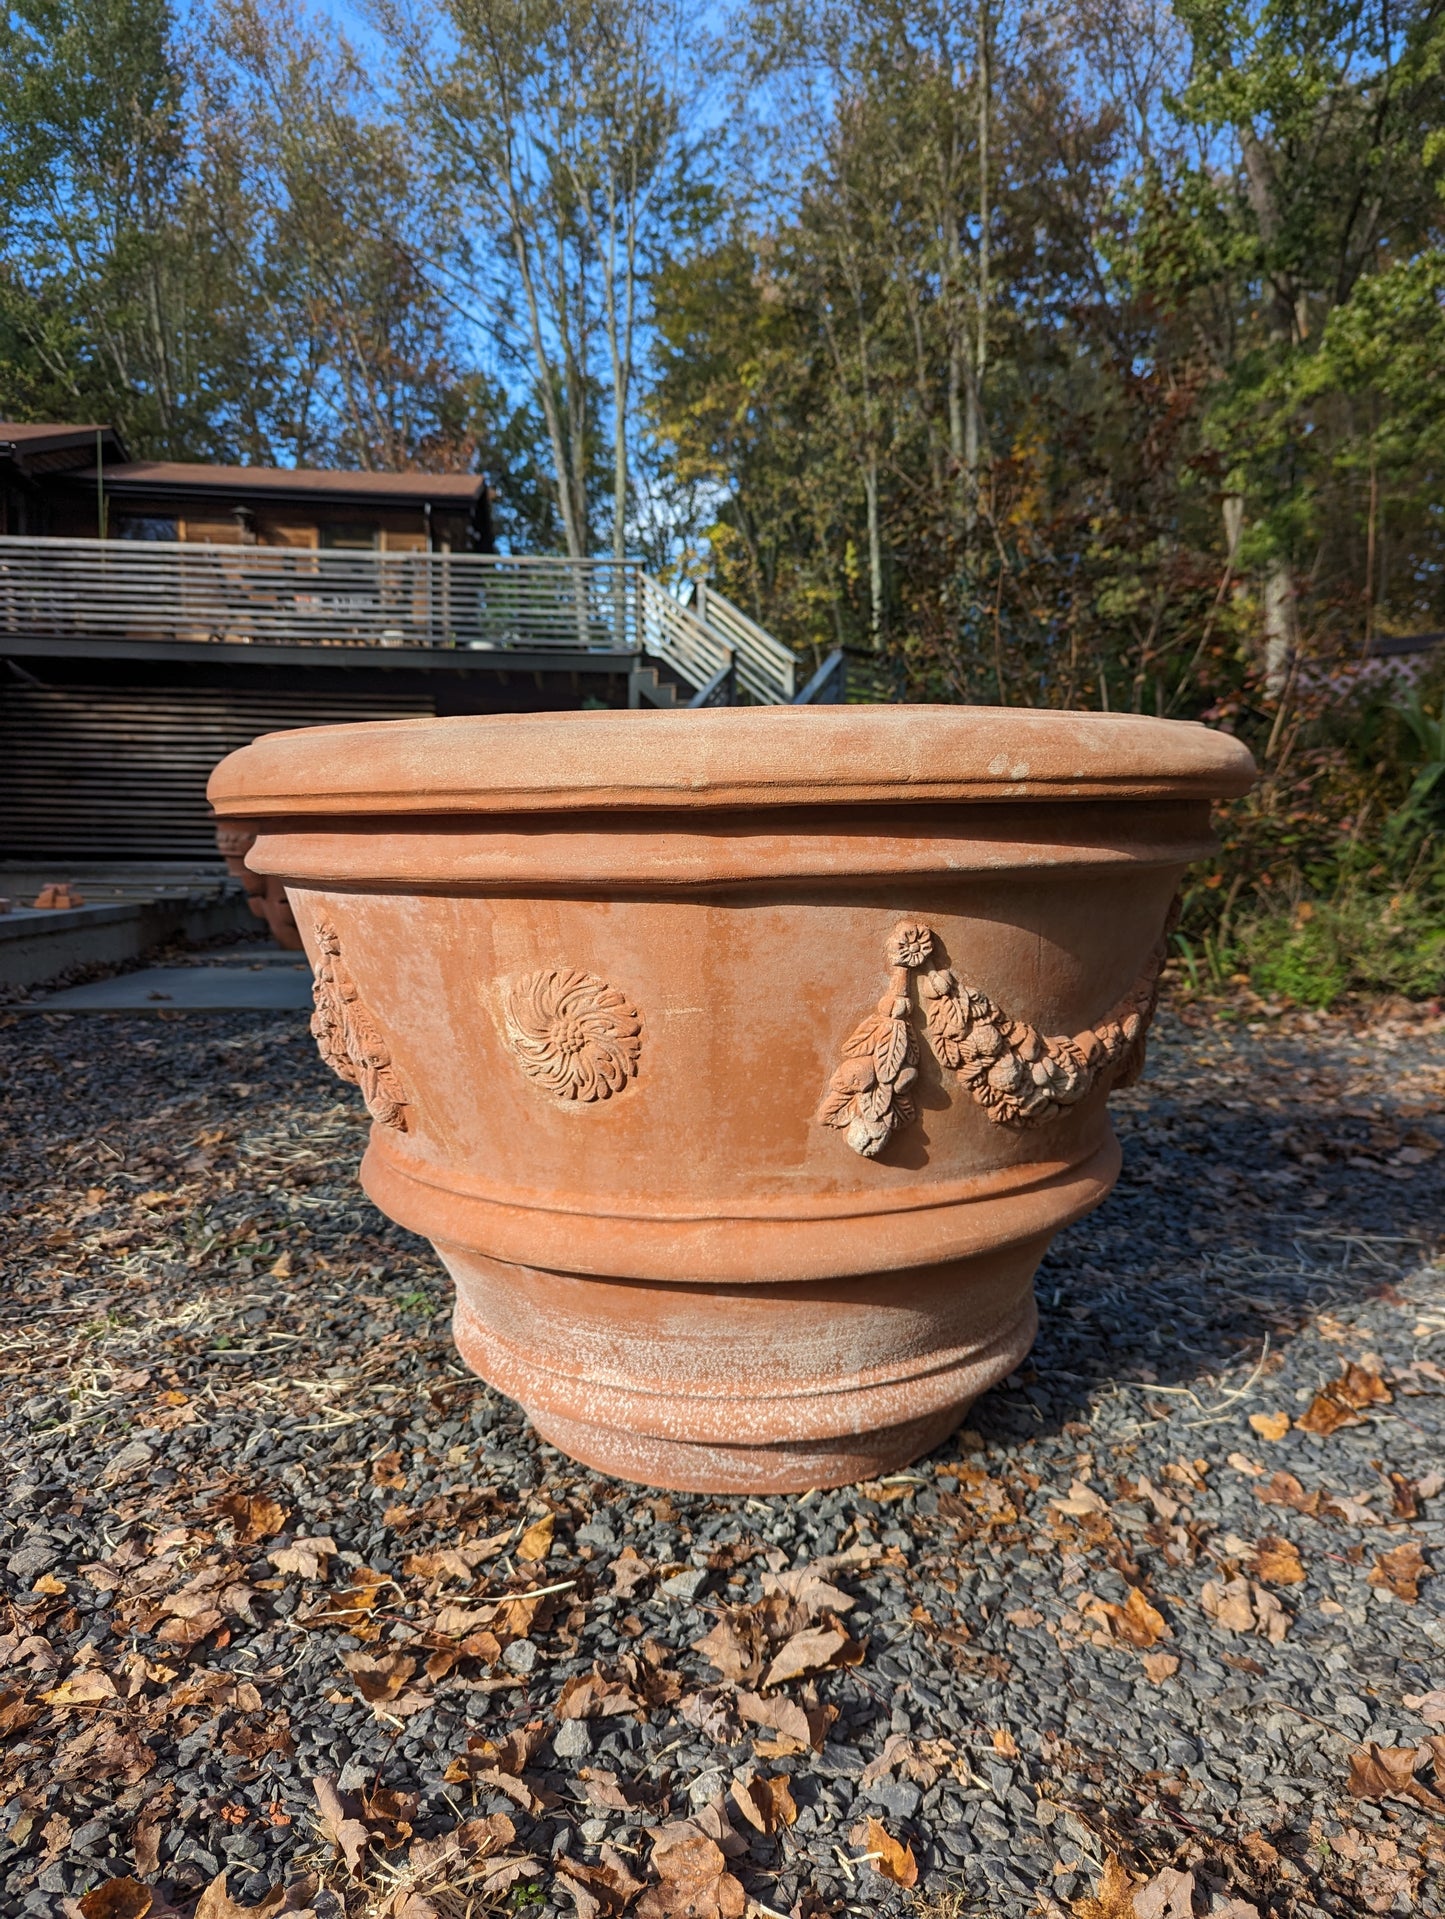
[{"x": 1360, "y": 942}]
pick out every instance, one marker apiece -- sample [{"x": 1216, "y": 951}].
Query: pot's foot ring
[{"x": 690, "y": 1466}]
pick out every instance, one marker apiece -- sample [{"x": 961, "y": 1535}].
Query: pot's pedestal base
[
  {"x": 679, "y": 1465},
  {"x": 747, "y": 1389}
]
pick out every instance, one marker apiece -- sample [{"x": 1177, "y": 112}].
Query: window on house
[
  {"x": 145, "y": 526},
  {"x": 349, "y": 536}
]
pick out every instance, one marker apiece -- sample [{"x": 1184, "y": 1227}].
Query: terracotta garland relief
[
  {"x": 1018, "y": 1076},
  {"x": 572, "y": 1033},
  {"x": 347, "y": 1036}
]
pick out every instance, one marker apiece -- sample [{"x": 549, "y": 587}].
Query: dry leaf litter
[{"x": 298, "y": 1617}]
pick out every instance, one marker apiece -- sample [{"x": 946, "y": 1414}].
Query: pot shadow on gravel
[{"x": 1228, "y": 1233}]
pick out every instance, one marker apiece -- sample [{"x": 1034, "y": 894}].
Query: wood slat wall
[{"x": 119, "y": 773}]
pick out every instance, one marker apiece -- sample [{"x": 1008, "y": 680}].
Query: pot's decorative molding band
[
  {"x": 347, "y": 1036},
  {"x": 1018, "y": 1076},
  {"x": 573, "y": 1033}
]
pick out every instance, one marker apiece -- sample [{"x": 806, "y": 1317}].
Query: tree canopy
[{"x": 1078, "y": 356}]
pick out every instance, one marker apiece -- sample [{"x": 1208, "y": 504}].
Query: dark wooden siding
[{"x": 119, "y": 773}]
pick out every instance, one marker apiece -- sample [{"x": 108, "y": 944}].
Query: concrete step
[{"x": 187, "y": 989}]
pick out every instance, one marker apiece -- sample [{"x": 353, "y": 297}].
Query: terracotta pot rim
[
  {"x": 724, "y": 757},
  {"x": 655, "y": 856}
]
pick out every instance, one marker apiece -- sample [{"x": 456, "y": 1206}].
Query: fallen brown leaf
[
  {"x": 693, "y": 1880},
  {"x": 536, "y": 1541},
  {"x": 1389, "y": 1772},
  {"x": 1241, "y": 1606},
  {"x": 629, "y": 1571},
  {"x": 145, "y": 1842},
  {"x": 1136, "y": 1622},
  {"x": 889, "y": 1857},
  {"x": 815, "y": 1649},
  {"x": 1081, "y": 1501},
  {"x": 117, "y": 1899},
  {"x": 1168, "y": 1895},
  {"x": 1166, "y": 1507},
  {"x": 902, "y": 1754},
  {"x": 1112, "y": 1898},
  {"x": 87, "y": 1687},
  {"x": 603, "y": 1891},
  {"x": 307, "y": 1557},
  {"x": 16, "y": 1713},
  {"x": 1430, "y": 1706},
  {"x": 1400, "y": 1571},
  {"x": 610, "y": 1794},
  {"x": 513, "y": 1753},
  {"x": 383, "y": 1682},
  {"x": 1341, "y": 1402},
  {"x": 737, "y": 1645},
  {"x": 1270, "y": 1425},
  {"x": 801, "y": 1725},
  {"x": 1159, "y": 1666},
  {"x": 594, "y": 1695},
  {"x": 473, "y": 1840},
  {"x": 216, "y": 1902},
  {"x": 765, "y": 1803},
  {"x": 252, "y": 1517},
  {"x": 351, "y": 1609},
  {"x": 1004, "y": 1742},
  {"x": 1404, "y": 1497},
  {"x": 809, "y": 1591},
  {"x": 1277, "y": 1562},
  {"x": 388, "y": 1815},
  {"x": 105, "y": 1752},
  {"x": 338, "y": 1822}
]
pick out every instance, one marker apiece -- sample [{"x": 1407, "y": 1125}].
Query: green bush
[{"x": 1363, "y": 943}]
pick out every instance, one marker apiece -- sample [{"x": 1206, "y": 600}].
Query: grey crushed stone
[{"x": 1277, "y": 1217}]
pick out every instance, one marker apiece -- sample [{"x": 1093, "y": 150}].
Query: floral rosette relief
[{"x": 572, "y": 1033}]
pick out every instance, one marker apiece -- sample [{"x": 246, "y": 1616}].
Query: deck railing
[{"x": 166, "y": 590}]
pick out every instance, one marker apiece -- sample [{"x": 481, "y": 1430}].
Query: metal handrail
[
  {"x": 761, "y": 658},
  {"x": 171, "y": 590},
  {"x": 829, "y": 685}
]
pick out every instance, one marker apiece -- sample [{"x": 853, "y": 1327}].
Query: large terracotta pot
[{"x": 712, "y": 1050}]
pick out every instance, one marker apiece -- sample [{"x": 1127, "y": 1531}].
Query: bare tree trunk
[
  {"x": 978, "y": 373},
  {"x": 1371, "y": 529},
  {"x": 1281, "y": 627},
  {"x": 875, "y": 552},
  {"x": 953, "y": 253},
  {"x": 1280, "y": 624}
]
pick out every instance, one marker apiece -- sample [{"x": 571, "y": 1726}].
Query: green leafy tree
[{"x": 105, "y": 252}]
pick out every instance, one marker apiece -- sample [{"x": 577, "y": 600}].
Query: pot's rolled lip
[{"x": 746, "y": 757}]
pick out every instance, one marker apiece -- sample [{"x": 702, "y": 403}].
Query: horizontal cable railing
[
  {"x": 762, "y": 660},
  {"x": 167, "y": 590}
]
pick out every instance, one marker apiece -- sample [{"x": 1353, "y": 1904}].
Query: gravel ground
[{"x": 1164, "y": 1607}]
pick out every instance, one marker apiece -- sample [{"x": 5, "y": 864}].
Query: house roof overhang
[{"x": 245, "y": 485}]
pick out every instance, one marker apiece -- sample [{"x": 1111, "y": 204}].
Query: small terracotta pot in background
[
  {"x": 740, "y": 1064},
  {"x": 265, "y": 892}
]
